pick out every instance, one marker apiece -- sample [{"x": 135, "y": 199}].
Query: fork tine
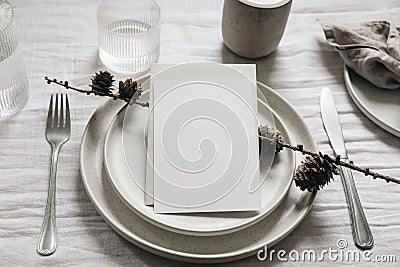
[
  {"x": 56, "y": 113},
  {"x": 50, "y": 113},
  {"x": 62, "y": 111},
  {"x": 67, "y": 116}
]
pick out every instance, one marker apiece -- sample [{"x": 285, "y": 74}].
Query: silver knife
[{"x": 362, "y": 235}]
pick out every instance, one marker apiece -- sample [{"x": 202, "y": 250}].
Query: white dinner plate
[
  {"x": 282, "y": 221},
  {"x": 382, "y": 106},
  {"x": 130, "y": 185}
]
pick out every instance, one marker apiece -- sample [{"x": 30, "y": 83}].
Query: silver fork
[{"x": 58, "y": 130}]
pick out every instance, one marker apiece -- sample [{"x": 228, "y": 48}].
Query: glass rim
[
  {"x": 154, "y": 3},
  {"x": 7, "y": 8}
]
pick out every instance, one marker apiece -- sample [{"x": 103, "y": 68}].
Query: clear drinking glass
[
  {"x": 129, "y": 34},
  {"x": 14, "y": 90}
]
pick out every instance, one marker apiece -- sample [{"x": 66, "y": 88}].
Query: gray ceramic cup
[{"x": 254, "y": 28}]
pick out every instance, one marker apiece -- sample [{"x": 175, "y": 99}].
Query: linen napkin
[{"x": 371, "y": 49}]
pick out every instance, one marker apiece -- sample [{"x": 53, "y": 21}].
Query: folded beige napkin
[{"x": 371, "y": 49}]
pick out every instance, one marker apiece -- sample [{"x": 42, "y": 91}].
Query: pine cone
[
  {"x": 102, "y": 82},
  {"x": 279, "y": 140},
  {"x": 127, "y": 89},
  {"x": 314, "y": 173},
  {"x": 271, "y": 134}
]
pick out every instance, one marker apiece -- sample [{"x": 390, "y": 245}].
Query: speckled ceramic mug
[{"x": 254, "y": 28}]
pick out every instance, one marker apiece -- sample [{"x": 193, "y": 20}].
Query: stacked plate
[{"x": 113, "y": 171}]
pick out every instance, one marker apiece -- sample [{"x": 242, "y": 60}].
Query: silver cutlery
[
  {"x": 362, "y": 235},
  {"x": 58, "y": 130}
]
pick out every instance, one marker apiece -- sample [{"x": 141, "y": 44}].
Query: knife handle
[{"x": 362, "y": 235}]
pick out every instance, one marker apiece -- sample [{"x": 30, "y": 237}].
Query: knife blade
[
  {"x": 330, "y": 118},
  {"x": 362, "y": 235}
]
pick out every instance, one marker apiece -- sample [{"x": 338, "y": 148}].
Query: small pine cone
[
  {"x": 127, "y": 89},
  {"x": 314, "y": 173},
  {"x": 272, "y": 135},
  {"x": 279, "y": 140},
  {"x": 102, "y": 82}
]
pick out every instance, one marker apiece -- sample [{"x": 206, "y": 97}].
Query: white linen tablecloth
[{"x": 59, "y": 39}]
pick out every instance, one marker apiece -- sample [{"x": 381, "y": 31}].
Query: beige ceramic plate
[
  {"x": 130, "y": 184},
  {"x": 228, "y": 247}
]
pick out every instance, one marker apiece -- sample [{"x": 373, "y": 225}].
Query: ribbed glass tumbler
[
  {"x": 14, "y": 90},
  {"x": 129, "y": 34}
]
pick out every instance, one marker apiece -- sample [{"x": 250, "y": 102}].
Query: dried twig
[
  {"x": 91, "y": 91},
  {"x": 315, "y": 172},
  {"x": 338, "y": 161}
]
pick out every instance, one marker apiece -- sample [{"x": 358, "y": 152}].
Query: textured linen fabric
[
  {"x": 58, "y": 39},
  {"x": 372, "y": 49}
]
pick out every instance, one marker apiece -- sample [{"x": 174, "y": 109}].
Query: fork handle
[
  {"x": 362, "y": 235},
  {"x": 47, "y": 240}
]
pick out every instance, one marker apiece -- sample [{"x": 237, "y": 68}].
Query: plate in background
[{"x": 380, "y": 105}]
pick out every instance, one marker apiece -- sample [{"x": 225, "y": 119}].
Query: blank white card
[{"x": 205, "y": 141}]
